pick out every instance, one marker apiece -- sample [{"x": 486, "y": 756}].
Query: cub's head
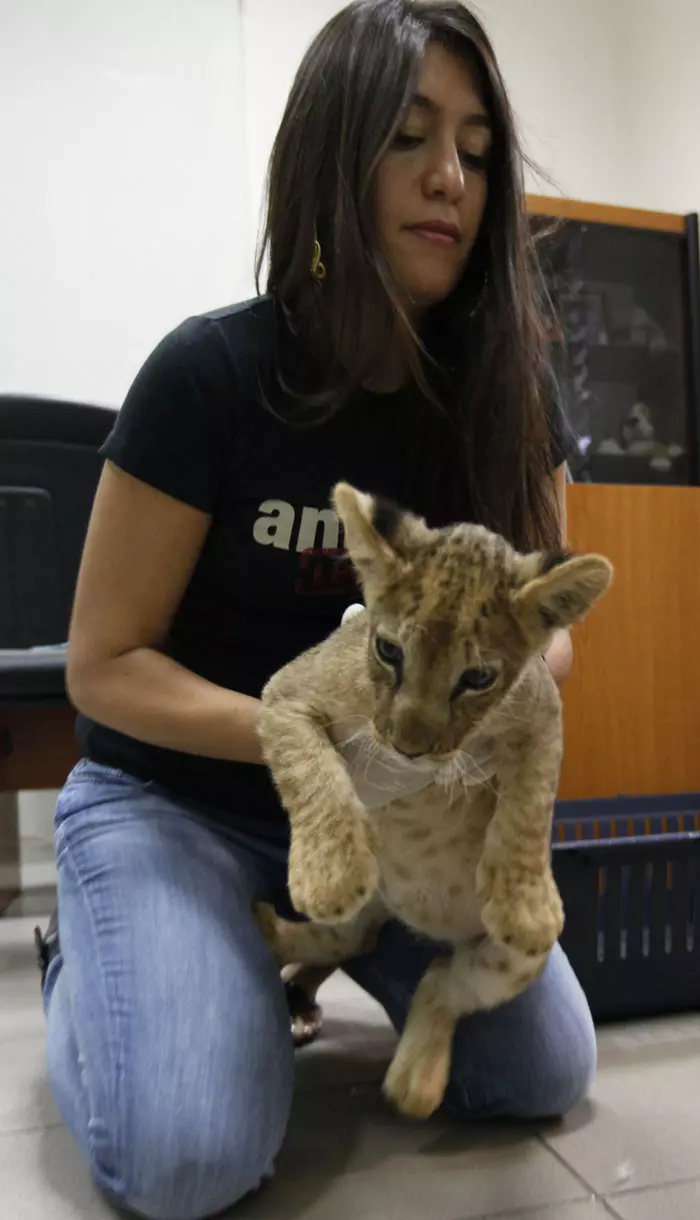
[{"x": 455, "y": 614}]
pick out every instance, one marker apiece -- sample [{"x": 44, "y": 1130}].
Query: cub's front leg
[
  {"x": 522, "y": 906},
  {"x": 333, "y": 870}
]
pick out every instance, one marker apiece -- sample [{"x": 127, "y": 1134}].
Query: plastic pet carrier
[{"x": 629, "y": 874}]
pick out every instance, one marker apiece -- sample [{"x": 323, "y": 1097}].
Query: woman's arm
[
  {"x": 560, "y": 654},
  {"x": 141, "y": 549}
]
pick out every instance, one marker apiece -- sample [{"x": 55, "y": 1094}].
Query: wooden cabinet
[{"x": 632, "y": 704}]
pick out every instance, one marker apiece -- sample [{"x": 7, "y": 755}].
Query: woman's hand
[{"x": 559, "y": 657}]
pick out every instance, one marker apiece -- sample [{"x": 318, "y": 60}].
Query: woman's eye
[
  {"x": 475, "y": 681},
  {"x": 390, "y": 654},
  {"x": 404, "y": 140},
  {"x": 473, "y": 161}
]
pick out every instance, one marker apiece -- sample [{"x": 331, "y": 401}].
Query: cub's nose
[
  {"x": 414, "y": 731},
  {"x": 406, "y": 754}
]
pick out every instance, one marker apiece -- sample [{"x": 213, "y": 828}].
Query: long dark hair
[{"x": 481, "y": 357}]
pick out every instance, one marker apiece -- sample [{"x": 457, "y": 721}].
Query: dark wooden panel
[{"x": 42, "y": 747}]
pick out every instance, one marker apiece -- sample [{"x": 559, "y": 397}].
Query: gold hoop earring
[{"x": 318, "y": 268}]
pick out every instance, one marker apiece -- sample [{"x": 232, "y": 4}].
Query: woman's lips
[{"x": 436, "y": 237}]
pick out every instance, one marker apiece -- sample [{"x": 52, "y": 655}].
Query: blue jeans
[{"x": 169, "y": 1046}]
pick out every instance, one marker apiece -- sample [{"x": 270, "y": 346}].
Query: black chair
[{"x": 49, "y": 468}]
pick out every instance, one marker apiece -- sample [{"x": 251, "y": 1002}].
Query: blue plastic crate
[{"x": 629, "y": 874}]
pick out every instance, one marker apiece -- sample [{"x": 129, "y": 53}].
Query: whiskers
[
  {"x": 361, "y": 750},
  {"x": 380, "y": 774},
  {"x": 361, "y": 735},
  {"x": 466, "y": 770}
]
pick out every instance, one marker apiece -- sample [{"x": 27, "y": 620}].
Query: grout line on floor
[
  {"x": 565, "y": 1164},
  {"x": 652, "y": 1186},
  {"x": 609, "y": 1209},
  {"x": 33, "y": 1130},
  {"x": 543, "y": 1209},
  {"x": 608, "y": 1201}
]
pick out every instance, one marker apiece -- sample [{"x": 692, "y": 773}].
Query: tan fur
[{"x": 465, "y": 863}]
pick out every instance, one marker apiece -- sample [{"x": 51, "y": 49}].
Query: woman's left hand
[{"x": 559, "y": 657}]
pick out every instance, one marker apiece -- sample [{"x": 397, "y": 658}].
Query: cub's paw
[
  {"x": 333, "y": 882},
  {"x": 525, "y": 914},
  {"x": 416, "y": 1087}
]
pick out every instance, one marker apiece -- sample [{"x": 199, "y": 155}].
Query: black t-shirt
[{"x": 270, "y": 581}]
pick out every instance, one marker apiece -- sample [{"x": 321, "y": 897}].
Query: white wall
[
  {"x": 660, "y": 40},
  {"x": 562, "y": 65},
  {"x": 124, "y": 200}
]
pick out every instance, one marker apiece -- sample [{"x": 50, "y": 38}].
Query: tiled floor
[{"x": 632, "y": 1152}]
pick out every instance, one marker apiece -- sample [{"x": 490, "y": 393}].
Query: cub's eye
[
  {"x": 390, "y": 654},
  {"x": 475, "y": 681}
]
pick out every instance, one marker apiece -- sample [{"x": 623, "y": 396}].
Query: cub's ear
[
  {"x": 379, "y": 535},
  {"x": 556, "y": 590}
]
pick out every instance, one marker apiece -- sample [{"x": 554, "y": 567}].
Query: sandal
[
  {"x": 47, "y": 946},
  {"x": 306, "y": 1015}
]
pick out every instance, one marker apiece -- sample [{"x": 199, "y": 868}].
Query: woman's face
[{"x": 432, "y": 184}]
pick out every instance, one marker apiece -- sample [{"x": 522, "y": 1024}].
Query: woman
[{"x": 400, "y": 347}]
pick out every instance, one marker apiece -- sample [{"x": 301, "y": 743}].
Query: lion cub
[{"x": 444, "y": 669}]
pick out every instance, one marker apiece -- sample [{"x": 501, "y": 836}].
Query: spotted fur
[{"x": 466, "y": 860}]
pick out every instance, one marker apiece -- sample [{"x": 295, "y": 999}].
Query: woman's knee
[
  {"x": 188, "y": 1184},
  {"x": 563, "y": 1039},
  {"x": 565, "y": 1074},
  {"x": 194, "y": 1156},
  {"x": 547, "y": 1090},
  {"x": 170, "y": 1051}
]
